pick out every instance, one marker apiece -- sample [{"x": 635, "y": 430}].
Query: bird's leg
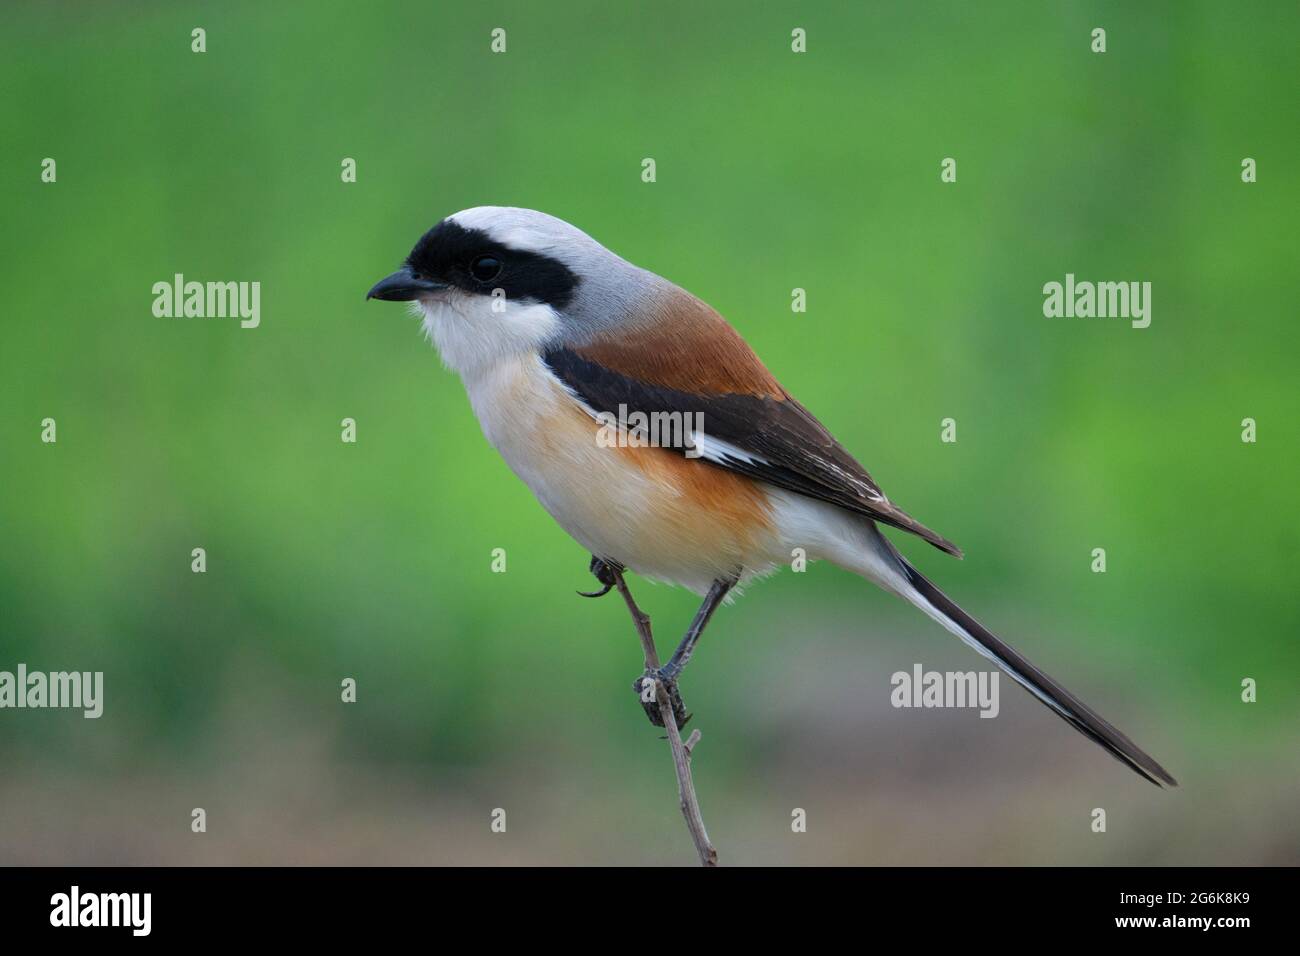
[
  {"x": 667, "y": 675},
  {"x": 606, "y": 573},
  {"x": 672, "y": 670},
  {"x": 610, "y": 574}
]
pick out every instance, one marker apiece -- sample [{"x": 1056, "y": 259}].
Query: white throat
[{"x": 474, "y": 333}]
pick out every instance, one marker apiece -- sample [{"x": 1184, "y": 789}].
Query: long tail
[{"x": 923, "y": 593}]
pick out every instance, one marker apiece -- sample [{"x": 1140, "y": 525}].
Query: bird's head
[{"x": 493, "y": 282}]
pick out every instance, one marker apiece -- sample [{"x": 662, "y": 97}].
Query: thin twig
[
  {"x": 692, "y": 740},
  {"x": 690, "y": 803}
]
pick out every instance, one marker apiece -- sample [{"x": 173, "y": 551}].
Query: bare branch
[{"x": 690, "y": 803}]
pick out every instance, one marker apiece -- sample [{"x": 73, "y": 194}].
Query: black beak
[{"x": 403, "y": 286}]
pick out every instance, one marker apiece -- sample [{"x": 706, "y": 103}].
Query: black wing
[{"x": 775, "y": 440}]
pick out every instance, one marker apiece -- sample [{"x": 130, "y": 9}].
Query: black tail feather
[{"x": 1078, "y": 714}]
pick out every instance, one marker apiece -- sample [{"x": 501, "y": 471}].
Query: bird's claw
[
  {"x": 606, "y": 573},
  {"x": 645, "y": 687}
]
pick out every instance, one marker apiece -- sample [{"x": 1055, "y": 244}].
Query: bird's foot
[
  {"x": 606, "y": 573},
  {"x": 648, "y": 685}
]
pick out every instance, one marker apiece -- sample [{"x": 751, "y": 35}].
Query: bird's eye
[{"x": 485, "y": 268}]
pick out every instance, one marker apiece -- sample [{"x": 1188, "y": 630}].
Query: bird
[{"x": 554, "y": 336}]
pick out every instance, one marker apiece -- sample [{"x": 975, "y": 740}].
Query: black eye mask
[{"x": 453, "y": 254}]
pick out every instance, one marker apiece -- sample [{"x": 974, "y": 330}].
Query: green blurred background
[{"x": 775, "y": 170}]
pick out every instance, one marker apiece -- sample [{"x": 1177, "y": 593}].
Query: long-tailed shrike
[{"x": 553, "y": 335}]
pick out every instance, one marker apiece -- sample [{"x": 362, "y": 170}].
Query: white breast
[
  {"x": 593, "y": 492},
  {"x": 598, "y": 494},
  {"x": 641, "y": 511}
]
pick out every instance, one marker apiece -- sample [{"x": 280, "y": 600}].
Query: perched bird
[{"x": 554, "y": 335}]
